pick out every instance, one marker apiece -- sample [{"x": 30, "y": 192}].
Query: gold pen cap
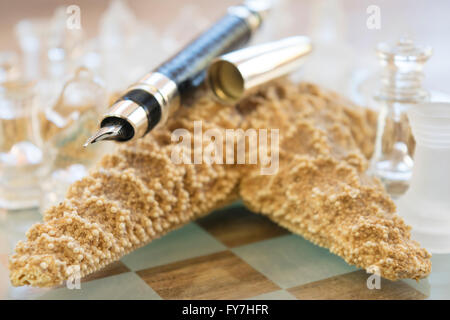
[{"x": 234, "y": 74}]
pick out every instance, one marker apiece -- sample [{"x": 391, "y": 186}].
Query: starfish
[{"x": 320, "y": 191}]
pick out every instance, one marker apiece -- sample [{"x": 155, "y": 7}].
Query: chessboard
[{"x": 231, "y": 254}]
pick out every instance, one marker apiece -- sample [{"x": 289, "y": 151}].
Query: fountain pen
[{"x": 151, "y": 100}]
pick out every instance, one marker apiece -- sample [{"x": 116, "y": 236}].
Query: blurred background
[
  {"x": 342, "y": 21},
  {"x": 425, "y": 21}
]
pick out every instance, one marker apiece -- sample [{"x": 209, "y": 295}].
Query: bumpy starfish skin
[{"x": 320, "y": 191}]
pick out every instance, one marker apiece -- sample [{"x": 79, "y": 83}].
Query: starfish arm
[
  {"x": 134, "y": 196},
  {"x": 321, "y": 190}
]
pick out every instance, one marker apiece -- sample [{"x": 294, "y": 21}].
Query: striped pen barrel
[{"x": 152, "y": 99}]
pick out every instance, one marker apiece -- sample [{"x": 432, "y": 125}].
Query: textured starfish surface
[{"x": 320, "y": 190}]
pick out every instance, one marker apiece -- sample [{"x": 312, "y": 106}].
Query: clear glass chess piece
[
  {"x": 401, "y": 88},
  {"x": 426, "y": 204},
  {"x": 21, "y": 156},
  {"x": 64, "y": 128}
]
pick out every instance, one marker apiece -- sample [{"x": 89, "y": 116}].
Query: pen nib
[{"x": 105, "y": 133}]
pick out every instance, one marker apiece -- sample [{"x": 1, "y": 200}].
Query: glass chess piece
[
  {"x": 22, "y": 160},
  {"x": 9, "y": 66},
  {"x": 64, "y": 127},
  {"x": 332, "y": 61},
  {"x": 64, "y": 46},
  {"x": 117, "y": 39},
  {"x": 401, "y": 88},
  {"x": 127, "y": 47},
  {"x": 30, "y": 34},
  {"x": 426, "y": 204}
]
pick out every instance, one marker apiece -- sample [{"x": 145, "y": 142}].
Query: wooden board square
[{"x": 221, "y": 275}]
